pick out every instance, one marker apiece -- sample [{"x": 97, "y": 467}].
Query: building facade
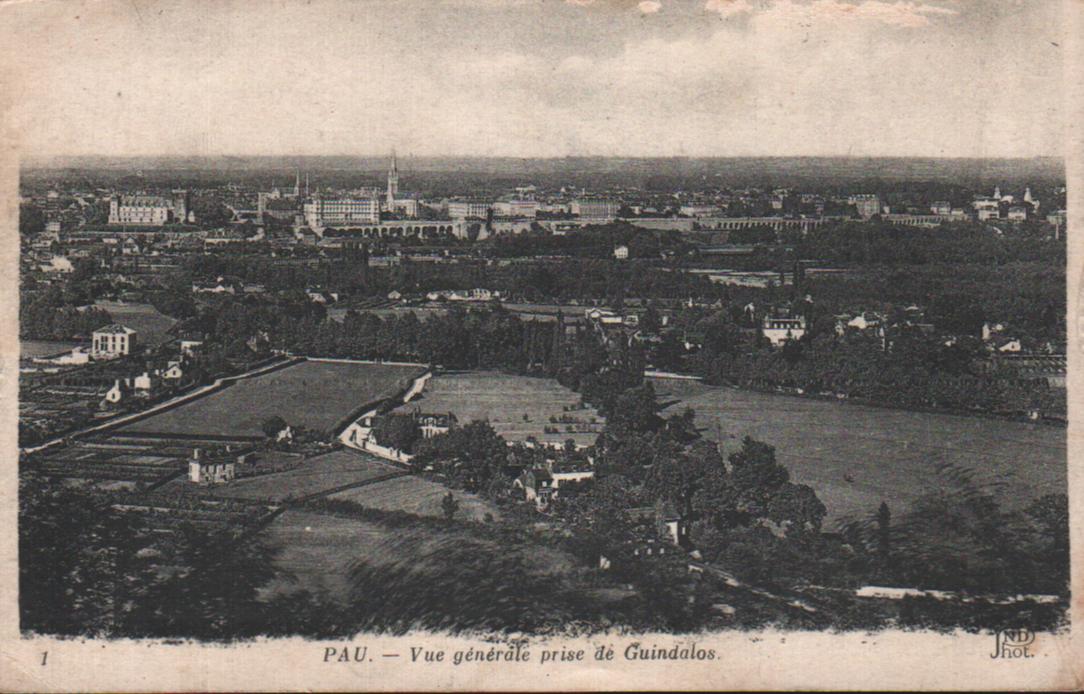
[
  {"x": 779, "y": 330},
  {"x": 113, "y": 340},
  {"x": 866, "y": 205},
  {"x": 516, "y": 208},
  {"x": 324, "y": 212},
  {"x": 150, "y": 210},
  {"x": 463, "y": 209},
  {"x": 594, "y": 208}
]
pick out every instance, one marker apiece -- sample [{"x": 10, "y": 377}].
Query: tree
[
  {"x": 272, "y": 426},
  {"x": 75, "y": 559},
  {"x": 796, "y": 507},
  {"x": 756, "y": 477},
  {"x": 678, "y": 473},
  {"x": 398, "y": 431},
  {"x": 884, "y": 534},
  {"x": 635, "y": 410},
  {"x": 449, "y": 505},
  {"x": 650, "y": 322},
  {"x": 469, "y": 455}
]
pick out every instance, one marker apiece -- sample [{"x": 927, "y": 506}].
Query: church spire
[{"x": 393, "y": 183}]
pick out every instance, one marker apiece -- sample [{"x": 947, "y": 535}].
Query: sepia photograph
[{"x": 541, "y": 327}]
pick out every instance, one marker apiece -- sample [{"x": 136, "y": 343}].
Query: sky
[{"x": 535, "y": 78}]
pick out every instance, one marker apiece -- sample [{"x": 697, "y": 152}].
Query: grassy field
[
  {"x": 503, "y": 400},
  {"x": 310, "y": 394},
  {"x": 145, "y": 319},
  {"x": 29, "y": 349},
  {"x": 315, "y": 475},
  {"x": 418, "y": 496},
  {"x": 856, "y": 456},
  {"x": 319, "y": 549}
]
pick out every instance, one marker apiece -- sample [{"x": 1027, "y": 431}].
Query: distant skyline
[{"x": 552, "y": 78}]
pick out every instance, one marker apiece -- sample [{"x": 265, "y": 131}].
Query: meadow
[
  {"x": 418, "y": 496},
  {"x": 30, "y": 349},
  {"x": 504, "y": 400},
  {"x": 317, "y": 474},
  {"x": 311, "y": 394},
  {"x": 318, "y": 551},
  {"x": 855, "y": 456},
  {"x": 151, "y": 325}
]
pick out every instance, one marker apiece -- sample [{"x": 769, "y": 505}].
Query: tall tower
[
  {"x": 297, "y": 183},
  {"x": 1027, "y": 195},
  {"x": 393, "y": 183}
]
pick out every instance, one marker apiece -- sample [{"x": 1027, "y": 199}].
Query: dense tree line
[
  {"x": 916, "y": 372},
  {"x": 882, "y": 243},
  {"x": 89, "y": 570},
  {"x": 595, "y": 241},
  {"x": 47, "y": 316}
]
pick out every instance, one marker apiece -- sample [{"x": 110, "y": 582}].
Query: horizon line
[{"x": 550, "y": 157}]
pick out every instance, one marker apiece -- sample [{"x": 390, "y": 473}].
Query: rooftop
[{"x": 115, "y": 329}]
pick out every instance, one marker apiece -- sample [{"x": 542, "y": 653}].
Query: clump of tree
[
  {"x": 273, "y": 426},
  {"x": 469, "y": 457},
  {"x": 398, "y": 431},
  {"x": 56, "y": 315},
  {"x": 959, "y": 536},
  {"x": 88, "y": 570}
]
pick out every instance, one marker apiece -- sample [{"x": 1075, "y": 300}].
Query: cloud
[
  {"x": 901, "y": 14},
  {"x": 777, "y": 77},
  {"x": 728, "y": 8},
  {"x": 649, "y": 6}
]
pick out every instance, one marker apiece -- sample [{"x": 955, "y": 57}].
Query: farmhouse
[
  {"x": 216, "y": 466},
  {"x": 173, "y": 371},
  {"x": 116, "y": 394},
  {"x": 146, "y": 382},
  {"x": 113, "y": 340},
  {"x": 189, "y": 343},
  {"x": 537, "y": 486},
  {"x": 433, "y": 424},
  {"x": 779, "y": 330},
  {"x": 659, "y": 529},
  {"x": 541, "y": 484}
]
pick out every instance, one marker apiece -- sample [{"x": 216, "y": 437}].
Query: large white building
[
  {"x": 515, "y": 208},
  {"x": 699, "y": 210},
  {"x": 866, "y": 205},
  {"x": 463, "y": 209},
  {"x": 594, "y": 208},
  {"x": 113, "y": 340},
  {"x": 150, "y": 210},
  {"x": 323, "y": 212}
]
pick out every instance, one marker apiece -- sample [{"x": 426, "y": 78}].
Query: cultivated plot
[
  {"x": 516, "y": 406},
  {"x": 312, "y": 394}
]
